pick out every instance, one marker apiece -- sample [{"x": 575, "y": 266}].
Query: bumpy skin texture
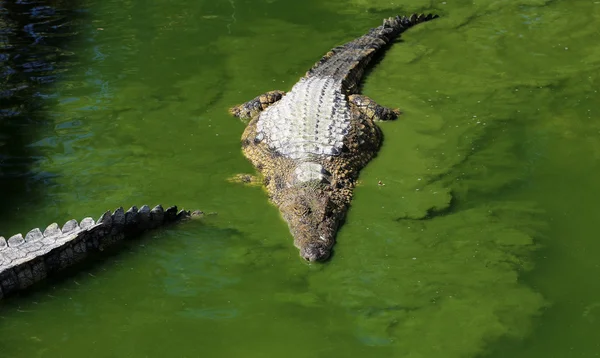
[
  {"x": 311, "y": 143},
  {"x": 25, "y": 260},
  {"x": 255, "y": 106},
  {"x": 314, "y": 210}
]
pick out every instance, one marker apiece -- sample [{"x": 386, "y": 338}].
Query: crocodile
[
  {"x": 309, "y": 144},
  {"x": 30, "y": 259}
]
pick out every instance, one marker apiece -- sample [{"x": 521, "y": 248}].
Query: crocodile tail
[
  {"x": 348, "y": 62},
  {"x": 27, "y": 260}
]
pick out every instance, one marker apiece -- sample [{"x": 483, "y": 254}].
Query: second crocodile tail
[{"x": 27, "y": 260}]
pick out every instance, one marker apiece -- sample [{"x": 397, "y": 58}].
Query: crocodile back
[{"x": 310, "y": 121}]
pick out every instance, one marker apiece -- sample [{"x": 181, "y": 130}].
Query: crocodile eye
[{"x": 301, "y": 210}]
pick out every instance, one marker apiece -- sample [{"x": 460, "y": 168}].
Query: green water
[{"x": 482, "y": 242}]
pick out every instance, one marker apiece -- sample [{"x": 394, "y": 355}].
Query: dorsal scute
[
  {"x": 311, "y": 120},
  {"x": 309, "y": 171}
]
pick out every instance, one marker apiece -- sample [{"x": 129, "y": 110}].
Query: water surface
[{"x": 480, "y": 243}]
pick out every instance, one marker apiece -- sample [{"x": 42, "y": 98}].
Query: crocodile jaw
[
  {"x": 313, "y": 220},
  {"x": 313, "y": 252},
  {"x": 314, "y": 239}
]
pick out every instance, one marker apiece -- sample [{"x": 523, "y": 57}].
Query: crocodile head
[{"x": 312, "y": 218}]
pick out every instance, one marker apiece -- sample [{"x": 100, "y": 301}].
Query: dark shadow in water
[
  {"x": 34, "y": 38},
  {"x": 97, "y": 262}
]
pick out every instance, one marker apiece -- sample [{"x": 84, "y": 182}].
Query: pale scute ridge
[
  {"x": 309, "y": 171},
  {"x": 311, "y": 120}
]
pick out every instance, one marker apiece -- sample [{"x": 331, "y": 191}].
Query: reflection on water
[{"x": 34, "y": 45}]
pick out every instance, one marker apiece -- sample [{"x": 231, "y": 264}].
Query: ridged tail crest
[
  {"x": 25, "y": 260},
  {"x": 348, "y": 62}
]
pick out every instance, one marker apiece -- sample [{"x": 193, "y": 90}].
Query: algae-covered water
[{"x": 481, "y": 242}]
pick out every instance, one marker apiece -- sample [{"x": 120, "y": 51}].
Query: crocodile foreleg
[
  {"x": 30, "y": 259},
  {"x": 372, "y": 110},
  {"x": 253, "y": 107},
  {"x": 246, "y": 179}
]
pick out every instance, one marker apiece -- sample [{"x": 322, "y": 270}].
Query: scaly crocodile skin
[{"x": 310, "y": 144}]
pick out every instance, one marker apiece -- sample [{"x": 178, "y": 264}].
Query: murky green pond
[{"x": 482, "y": 242}]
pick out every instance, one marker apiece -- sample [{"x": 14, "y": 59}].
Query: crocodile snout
[{"x": 315, "y": 252}]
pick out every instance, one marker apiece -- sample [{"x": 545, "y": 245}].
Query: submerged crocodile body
[
  {"x": 27, "y": 260},
  {"x": 310, "y": 144}
]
